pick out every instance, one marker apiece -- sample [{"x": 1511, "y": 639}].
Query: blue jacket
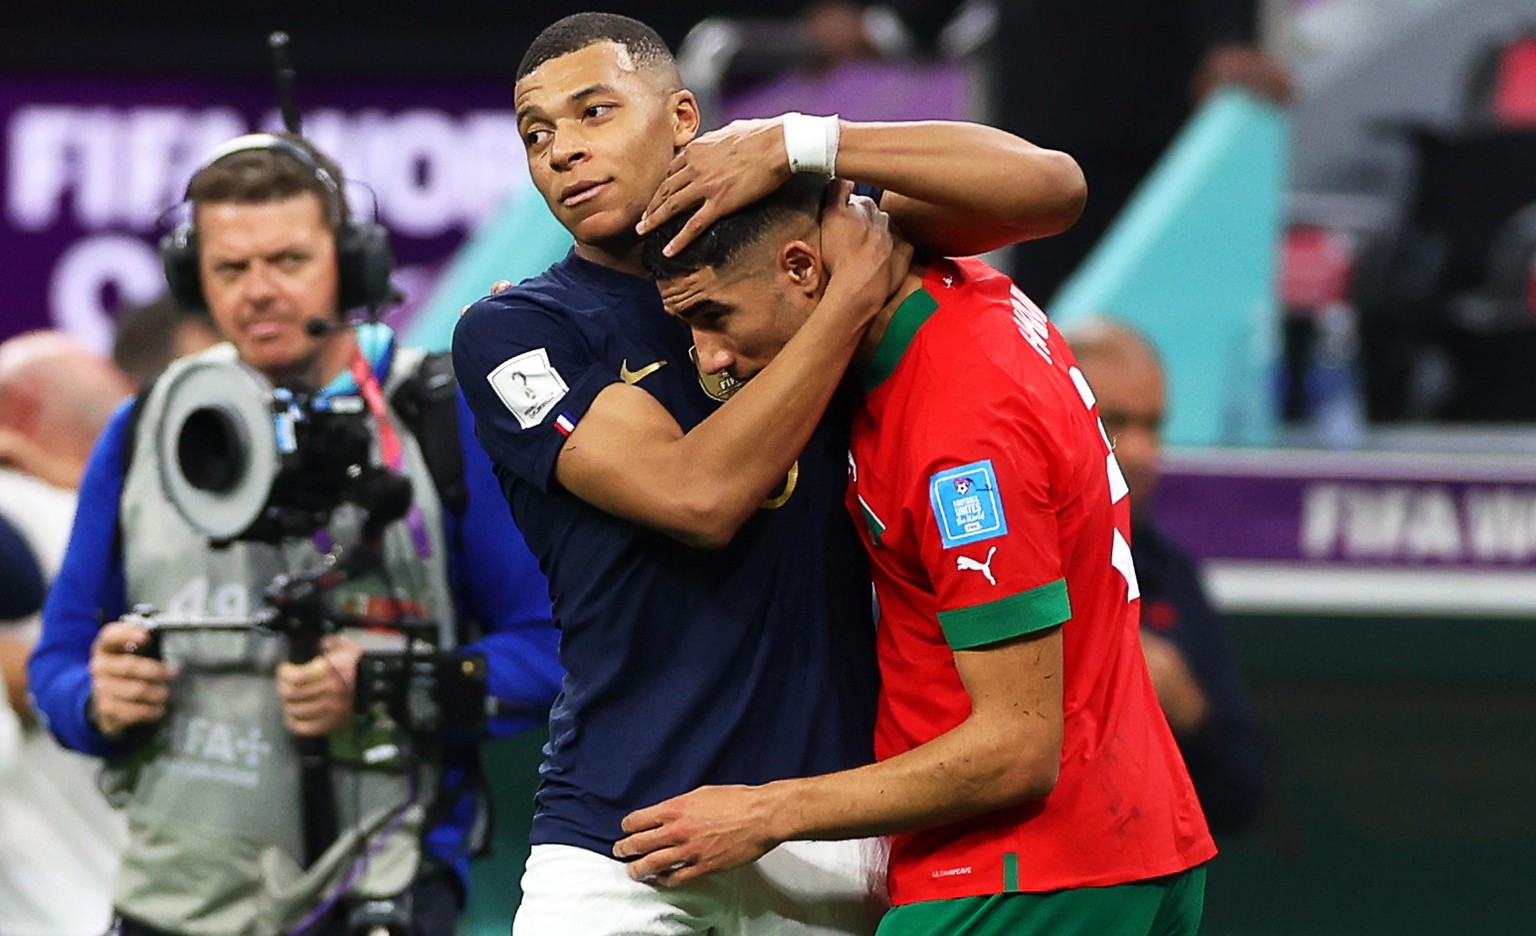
[
  {"x": 496, "y": 581},
  {"x": 1225, "y": 756}
]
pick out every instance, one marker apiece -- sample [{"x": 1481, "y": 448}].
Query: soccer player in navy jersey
[{"x": 712, "y": 594}]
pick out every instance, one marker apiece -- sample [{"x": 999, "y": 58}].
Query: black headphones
[{"x": 363, "y": 257}]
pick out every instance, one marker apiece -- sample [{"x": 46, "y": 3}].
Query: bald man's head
[
  {"x": 57, "y": 394},
  {"x": 1127, "y": 379}
]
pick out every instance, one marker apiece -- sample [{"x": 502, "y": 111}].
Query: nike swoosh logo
[{"x": 635, "y": 376}]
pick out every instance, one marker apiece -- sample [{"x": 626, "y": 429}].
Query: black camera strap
[{"x": 427, "y": 402}]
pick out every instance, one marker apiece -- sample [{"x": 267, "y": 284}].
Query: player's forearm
[
  {"x": 963, "y": 188},
  {"x": 740, "y": 455},
  {"x": 973, "y": 769},
  {"x": 13, "y": 673}
]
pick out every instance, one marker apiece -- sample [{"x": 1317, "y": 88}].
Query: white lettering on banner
[
  {"x": 110, "y": 167},
  {"x": 432, "y": 172},
  {"x": 1434, "y": 530},
  {"x": 36, "y": 169},
  {"x": 1380, "y": 522},
  {"x": 90, "y": 273},
  {"x": 1501, "y": 524},
  {"x": 118, "y": 170}
]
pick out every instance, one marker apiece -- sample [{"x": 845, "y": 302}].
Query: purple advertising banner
[
  {"x": 94, "y": 171},
  {"x": 863, "y": 91},
  {"x": 1386, "y": 532}
]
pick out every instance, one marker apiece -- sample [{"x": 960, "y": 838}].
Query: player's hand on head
[
  {"x": 711, "y": 829},
  {"x": 126, "y": 689},
  {"x": 864, "y": 260},
  {"x": 719, "y": 172},
  {"x": 317, "y": 696}
]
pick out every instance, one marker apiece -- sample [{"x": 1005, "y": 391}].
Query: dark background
[{"x": 386, "y": 38}]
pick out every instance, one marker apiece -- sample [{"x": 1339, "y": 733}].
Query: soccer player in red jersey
[{"x": 1025, "y": 769}]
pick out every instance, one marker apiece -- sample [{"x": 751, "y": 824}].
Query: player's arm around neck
[
  {"x": 1008, "y": 751},
  {"x": 953, "y": 188},
  {"x": 629, "y": 457},
  {"x": 958, "y": 189}
]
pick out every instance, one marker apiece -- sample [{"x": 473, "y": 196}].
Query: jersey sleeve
[
  {"x": 986, "y": 522},
  {"x": 87, "y": 592},
  {"x": 529, "y": 375},
  {"x": 503, "y": 589}
]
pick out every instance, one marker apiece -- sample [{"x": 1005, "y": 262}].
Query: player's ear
[
  {"x": 800, "y": 264},
  {"x": 684, "y": 108}
]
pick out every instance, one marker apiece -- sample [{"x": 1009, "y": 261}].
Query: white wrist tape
[{"x": 811, "y": 143}]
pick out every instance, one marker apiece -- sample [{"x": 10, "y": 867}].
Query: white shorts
[{"x": 798, "y": 889}]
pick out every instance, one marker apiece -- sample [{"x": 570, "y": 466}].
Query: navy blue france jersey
[{"x": 685, "y": 666}]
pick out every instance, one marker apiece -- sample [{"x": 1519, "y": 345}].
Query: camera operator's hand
[
  {"x": 126, "y": 689},
  {"x": 317, "y": 696}
]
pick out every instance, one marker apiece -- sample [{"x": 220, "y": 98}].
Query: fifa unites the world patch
[{"x": 966, "y": 504}]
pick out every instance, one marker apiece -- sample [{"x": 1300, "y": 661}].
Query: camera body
[
  {"x": 242, "y": 459},
  {"x": 325, "y": 460},
  {"x": 438, "y": 693}
]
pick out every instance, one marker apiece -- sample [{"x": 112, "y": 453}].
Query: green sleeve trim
[
  {"x": 1006, "y": 618},
  {"x": 1011, "y": 872}
]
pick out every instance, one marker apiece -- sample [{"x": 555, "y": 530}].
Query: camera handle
[
  {"x": 301, "y": 616},
  {"x": 300, "y": 612}
]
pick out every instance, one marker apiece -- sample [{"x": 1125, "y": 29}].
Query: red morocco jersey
[{"x": 992, "y": 508}]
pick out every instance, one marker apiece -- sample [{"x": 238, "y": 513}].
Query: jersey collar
[{"x": 904, "y": 323}]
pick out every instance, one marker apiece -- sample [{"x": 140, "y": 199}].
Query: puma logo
[
  {"x": 967, "y": 564},
  {"x": 635, "y": 376}
]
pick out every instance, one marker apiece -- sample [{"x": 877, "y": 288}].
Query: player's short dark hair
[
  {"x": 579, "y": 30},
  {"x": 729, "y": 237},
  {"x": 257, "y": 176}
]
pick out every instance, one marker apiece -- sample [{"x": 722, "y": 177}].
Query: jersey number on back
[{"x": 1120, "y": 550}]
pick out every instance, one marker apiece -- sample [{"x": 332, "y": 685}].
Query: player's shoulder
[
  {"x": 974, "y": 314},
  {"x": 538, "y": 310},
  {"x": 539, "y": 294},
  {"x": 990, "y": 331}
]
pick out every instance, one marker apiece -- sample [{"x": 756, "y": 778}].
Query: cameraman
[{"x": 217, "y": 832}]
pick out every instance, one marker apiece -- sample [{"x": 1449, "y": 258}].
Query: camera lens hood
[{"x": 217, "y": 448}]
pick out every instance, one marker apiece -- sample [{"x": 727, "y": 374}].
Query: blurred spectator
[
  {"x": 1188, "y": 651},
  {"x": 21, "y": 583},
  {"x": 1108, "y": 81},
  {"x": 151, "y": 336},
  {"x": 55, "y": 396},
  {"x": 59, "y": 840}
]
